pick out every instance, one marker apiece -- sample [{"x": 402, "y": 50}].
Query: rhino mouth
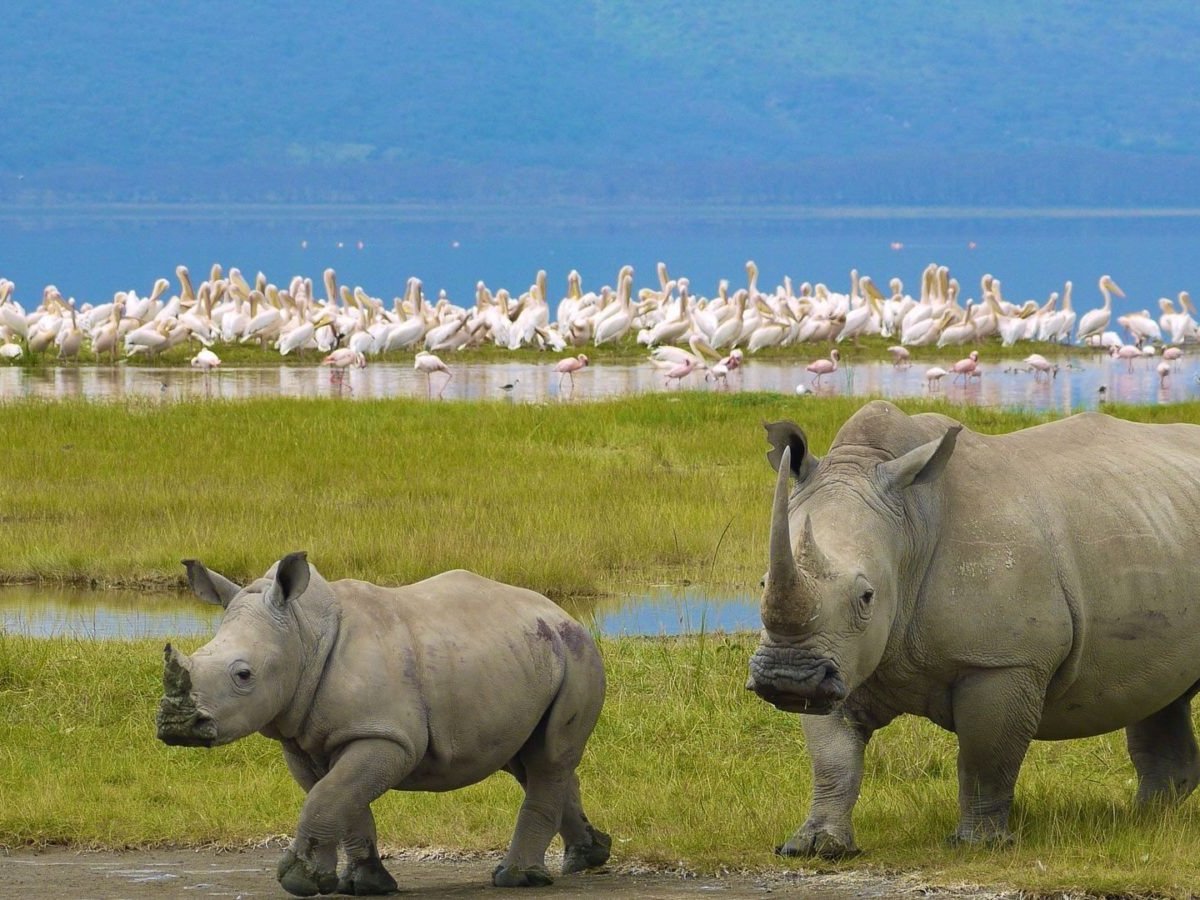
[
  {"x": 181, "y": 724},
  {"x": 794, "y": 681}
]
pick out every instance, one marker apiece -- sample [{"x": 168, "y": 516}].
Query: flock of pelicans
[{"x": 682, "y": 331}]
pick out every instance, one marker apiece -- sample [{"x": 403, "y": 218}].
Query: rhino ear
[
  {"x": 789, "y": 434},
  {"x": 922, "y": 464},
  {"x": 291, "y": 579},
  {"x": 208, "y": 585}
]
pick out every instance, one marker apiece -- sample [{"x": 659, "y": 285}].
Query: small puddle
[{"x": 41, "y": 611}]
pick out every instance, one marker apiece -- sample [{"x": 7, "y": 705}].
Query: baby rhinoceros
[{"x": 428, "y": 687}]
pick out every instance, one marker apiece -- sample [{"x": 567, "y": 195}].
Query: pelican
[{"x": 1094, "y": 321}]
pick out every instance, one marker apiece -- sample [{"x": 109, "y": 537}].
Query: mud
[{"x": 65, "y": 874}]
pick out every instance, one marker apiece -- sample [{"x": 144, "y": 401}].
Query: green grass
[
  {"x": 568, "y": 500},
  {"x": 684, "y": 766}
]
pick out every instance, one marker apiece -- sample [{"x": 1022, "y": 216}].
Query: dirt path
[{"x": 64, "y": 874}]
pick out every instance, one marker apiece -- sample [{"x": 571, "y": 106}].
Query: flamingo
[
  {"x": 967, "y": 366},
  {"x": 901, "y": 358},
  {"x": 205, "y": 360},
  {"x": 570, "y": 366},
  {"x": 934, "y": 376},
  {"x": 821, "y": 367},
  {"x": 1164, "y": 369},
  {"x": 428, "y": 363},
  {"x": 1039, "y": 364},
  {"x": 1171, "y": 354},
  {"x": 680, "y": 372},
  {"x": 1127, "y": 352}
]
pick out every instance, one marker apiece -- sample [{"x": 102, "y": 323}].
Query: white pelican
[{"x": 1094, "y": 321}]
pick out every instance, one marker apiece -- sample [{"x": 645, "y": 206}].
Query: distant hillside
[{"x": 913, "y": 101}]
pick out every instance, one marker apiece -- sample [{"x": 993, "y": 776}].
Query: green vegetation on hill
[{"x": 776, "y": 101}]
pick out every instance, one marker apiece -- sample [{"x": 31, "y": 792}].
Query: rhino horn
[
  {"x": 177, "y": 678},
  {"x": 812, "y": 559},
  {"x": 780, "y": 593}
]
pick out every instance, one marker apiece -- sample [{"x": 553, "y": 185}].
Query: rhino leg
[
  {"x": 337, "y": 810},
  {"x": 1163, "y": 750},
  {"x": 545, "y": 767},
  {"x": 585, "y": 846},
  {"x": 835, "y": 745},
  {"x": 541, "y": 814},
  {"x": 996, "y": 714},
  {"x": 363, "y": 874}
]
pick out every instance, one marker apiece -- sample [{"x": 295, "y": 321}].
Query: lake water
[
  {"x": 91, "y": 252},
  {"x": 1003, "y": 384},
  {"x": 44, "y": 611}
]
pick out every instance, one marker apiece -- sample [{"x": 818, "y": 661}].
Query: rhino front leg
[
  {"x": 996, "y": 714},
  {"x": 364, "y": 874},
  {"x": 835, "y": 745},
  {"x": 336, "y": 810},
  {"x": 1163, "y": 750}
]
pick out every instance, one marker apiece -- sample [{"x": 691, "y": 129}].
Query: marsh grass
[
  {"x": 566, "y": 499},
  {"x": 872, "y": 348},
  {"x": 685, "y": 767}
]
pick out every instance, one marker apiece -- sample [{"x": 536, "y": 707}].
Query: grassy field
[
  {"x": 566, "y": 499},
  {"x": 685, "y": 766}
]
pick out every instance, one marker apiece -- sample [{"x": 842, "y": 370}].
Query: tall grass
[
  {"x": 566, "y": 499},
  {"x": 684, "y": 766}
]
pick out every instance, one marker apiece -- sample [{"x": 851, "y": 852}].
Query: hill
[{"x": 916, "y": 101}]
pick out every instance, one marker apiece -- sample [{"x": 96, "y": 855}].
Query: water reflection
[
  {"x": 1004, "y": 384},
  {"x": 41, "y": 611}
]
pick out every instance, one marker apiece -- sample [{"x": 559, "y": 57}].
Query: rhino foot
[
  {"x": 819, "y": 842},
  {"x": 301, "y": 878},
  {"x": 515, "y": 876},
  {"x": 587, "y": 856},
  {"x": 366, "y": 878}
]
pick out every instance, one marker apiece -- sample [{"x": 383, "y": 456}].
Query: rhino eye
[
  {"x": 868, "y": 596},
  {"x": 243, "y": 675}
]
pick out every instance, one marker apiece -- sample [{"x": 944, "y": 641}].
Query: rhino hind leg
[
  {"x": 1164, "y": 753},
  {"x": 585, "y": 846}
]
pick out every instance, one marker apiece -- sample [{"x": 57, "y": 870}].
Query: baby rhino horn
[{"x": 177, "y": 680}]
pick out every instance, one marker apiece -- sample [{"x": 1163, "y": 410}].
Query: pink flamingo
[
  {"x": 821, "y": 367},
  {"x": 1164, "y": 369},
  {"x": 570, "y": 366},
  {"x": 934, "y": 376},
  {"x": 1039, "y": 364},
  {"x": 966, "y": 367},
  {"x": 681, "y": 371},
  {"x": 1171, "y": 354},
  {"x": 901, "y": 358},
  {"x": 428, "y": 363},
  {"x": 1127, "y": 352}
]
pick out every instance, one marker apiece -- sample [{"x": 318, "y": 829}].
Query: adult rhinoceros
[
  {"x": 427, "y": 687},
  {"x": 1038, "y": 584}
]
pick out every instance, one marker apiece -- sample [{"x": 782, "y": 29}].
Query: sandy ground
[{"x": 65, "y": 874}]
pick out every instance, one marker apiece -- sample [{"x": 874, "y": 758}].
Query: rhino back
[
  {"x": 1064, "y": 547},
  {"x": 461, "y": 667}
]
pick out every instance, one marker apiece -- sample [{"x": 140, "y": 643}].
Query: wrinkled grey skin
[
  {"x": 1038, "y": 584},
  {"x": 428, "y": 687}
]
